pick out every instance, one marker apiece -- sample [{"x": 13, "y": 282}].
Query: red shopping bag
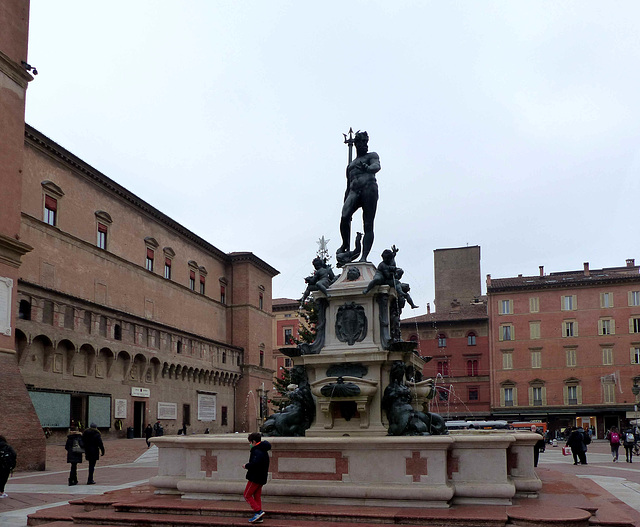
[{"x": 566, "y": 451}]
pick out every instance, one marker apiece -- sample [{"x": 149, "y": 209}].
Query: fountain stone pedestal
[{"x": 354, "y": 355}]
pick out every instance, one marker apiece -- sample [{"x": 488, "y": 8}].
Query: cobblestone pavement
[{"x": 126, "y": 463}]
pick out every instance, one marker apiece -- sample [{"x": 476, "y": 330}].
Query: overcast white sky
[{"x": 509, "y": 125}]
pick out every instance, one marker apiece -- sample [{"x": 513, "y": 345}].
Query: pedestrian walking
[
  {"x": 8, "y": 459},
  {"x": 75, "y": 448},
  {"x": 157, "y": 429},
  {"x": 614, "y": 442},
  {"x": 538, "y": 447},
  {"x": 257, "y": 473},
  {"x": 92, "y": 448},
  {"x": 577, "y": 441},
  {"x": 148, "y": 434},
  {"x": 629, "y": 443}
]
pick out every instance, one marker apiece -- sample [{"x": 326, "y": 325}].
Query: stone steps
[{"x": 145, "y": 509}]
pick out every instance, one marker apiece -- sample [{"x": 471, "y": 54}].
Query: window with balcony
[
  {"x": 572, "y": 393},
  {"x": 536, "y": 395},
  {"x": 508, "y": 396}
]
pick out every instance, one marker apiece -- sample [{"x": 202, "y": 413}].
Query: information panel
[
  {"x": 100, "y": 410},
  {"x": 53, "y": 409},
  {"x": 167, "y": 410},
  {"x": 206, "y": 407}
]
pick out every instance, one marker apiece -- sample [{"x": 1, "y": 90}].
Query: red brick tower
[{"x": 20, "y": 424}]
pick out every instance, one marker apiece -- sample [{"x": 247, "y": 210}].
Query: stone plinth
[{"x": 418, "y": 471}]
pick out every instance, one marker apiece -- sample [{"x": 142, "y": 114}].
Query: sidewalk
[{"x": 127, "y": 463}]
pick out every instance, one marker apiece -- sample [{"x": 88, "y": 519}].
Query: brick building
[
  {"x": 285, "y": 328},
  {"x": 19, "y": 422},
  {"x": 456, "y": 336},
  {"x": 125, "y": 316},
  {"x": 565, "y": 347}
]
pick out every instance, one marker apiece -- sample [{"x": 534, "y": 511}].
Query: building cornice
[
  {"x": 14, "y": 71},
  {"x": 12, "y": 250},
  {"x": 573, "y": 284},
  {"x": 54, "y": 150},
  {"x": 242, "y": 257}
]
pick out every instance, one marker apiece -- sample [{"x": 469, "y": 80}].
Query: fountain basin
[{"x": 419, "y": 471}]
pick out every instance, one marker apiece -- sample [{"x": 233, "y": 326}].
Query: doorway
[
  {"x": 139, "y": 412},
  {"x": 79, "y": 411}
]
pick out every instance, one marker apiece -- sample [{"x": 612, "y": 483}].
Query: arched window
[
  {"x": 442, "y": 340},
  {"x": 472, "y": 367},
  {"x": 443, "y": 368},
  {"x": 471, "y": 339},
  {"x": 262, "y": 358},
  {"x": 413, "y": 338},
  {"x": 24, "y": 311}
]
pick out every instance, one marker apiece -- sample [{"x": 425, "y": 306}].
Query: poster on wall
[
  {"x": 167, "y": 410},
  {"x": 206, "y": 407},
  {"x": 6, "y": 286},
  {"x": 120, "y": 411}
]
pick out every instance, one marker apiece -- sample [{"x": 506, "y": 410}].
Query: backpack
[
  {"x": 7, "y": 458},
  {"x": 615, "y": 438},
  {"x": 629, "y": 438},
  {"x": 587, "y": 439}
]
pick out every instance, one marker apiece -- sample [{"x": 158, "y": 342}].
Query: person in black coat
[
  {"x": 257, "y": 474},
  {"x": 148, "y": 434},
  {"x": 92, "y": 447},
  {"x": 577, "y": 443},
  {"x": 8, "y": 459},
  {"x": 74, "y": 447}
]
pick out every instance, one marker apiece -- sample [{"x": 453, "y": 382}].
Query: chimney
[
  {"x": 488, "y": 280},
  {"x": 631, "y": 262},
  {"x": 586, "y": 269},
  {"x": 428, "y": 308},
  {"x": 542, "y": 270}
]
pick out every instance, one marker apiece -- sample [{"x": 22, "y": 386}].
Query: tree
[{"x": 308, "y": 313}]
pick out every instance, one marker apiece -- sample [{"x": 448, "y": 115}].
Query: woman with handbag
[{"x": 75, "y": 449}]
